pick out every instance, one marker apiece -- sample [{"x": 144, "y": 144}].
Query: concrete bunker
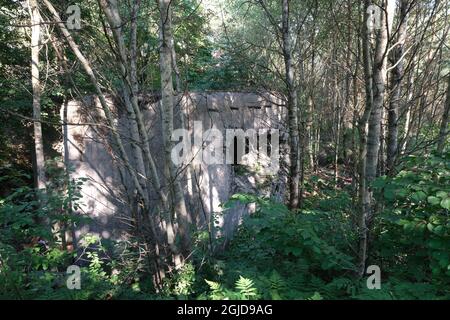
[{"x": 108, "y": 192}]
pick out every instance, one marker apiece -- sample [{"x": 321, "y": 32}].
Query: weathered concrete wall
[{"x": 108, "y": 193}]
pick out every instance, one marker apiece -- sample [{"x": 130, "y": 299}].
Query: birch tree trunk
[
  {"x": 375, "y": 90},
  {"x": 178, "y": 83},
  {"x": 395, "y": 87},
  {"x": 292, "y": 104},
  {"x": 309, "y": 130},
  {"x": 443, "y": 132},
  {"x": 139, "y": 158},
  {"x": 167, "y": 109},
  {"x": 408, "y": 111},
  {"x": 363, "y": 192},
  {"x": 379, "y": 83},
  {"x": 36, "y": 85}
]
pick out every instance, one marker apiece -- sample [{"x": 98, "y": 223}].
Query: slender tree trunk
[
  {"x": 381, "y": 167},
  {"x": 337, "y": 116},
  {"x": 375, "y": 89},
  {"x": 292, "y": 104},
  {"x": 443, "y": 133},
  {"x": 133, "y": 47},
  {"x": 40, "y": 178},
  {"x": 407, "y": 109},
  {"x": 310, "y": 130},
  {"x": 379, "y": 83},
  {"x": 69, "y": 236},
  {"x": 167, "y": 107},
  {"x": 395, "y": 87},
  {"x": 135, "y": 89},
  {"x": 178, "y": 83},
  {"x": 363, "y": 192},
  {"x": 355, "y": 146}
]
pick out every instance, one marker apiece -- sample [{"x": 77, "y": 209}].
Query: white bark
[
  {"x": 370, "y": 123},
  {"x": 379, "y": 83},
  {"x": 167, "y": 107},
  {"x": 395, "y": 87},
  {"x": 292, "y": 104},
  {"x": 36, "y": 85},
  {"x": 444, "y": 131}
]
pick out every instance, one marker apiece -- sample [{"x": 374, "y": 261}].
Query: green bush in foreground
[{"x": 275, "y": 254}]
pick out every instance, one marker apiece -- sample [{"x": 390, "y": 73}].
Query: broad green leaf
[
  {"x": 434, "y": 200},
  {"x": 419, "y": 196},
  {"x": 442, "y": 194},
  {"x": 445, "y": 203}
]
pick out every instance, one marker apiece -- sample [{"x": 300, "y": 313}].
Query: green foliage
[
  {"x": 275, "y": 254},
  {"x": 33, "y": 262},
  {"x": 181, "y": 283},
  {"x": 284, "y": 255},
  {"x": 307, "y": 255},
  {"x": 399, "y": 289},
  {"x": 32, "y": 259},
  {"x": 414, "y": 227},
  {"x": 244, "y": 289}
]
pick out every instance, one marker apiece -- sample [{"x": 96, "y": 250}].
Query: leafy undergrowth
[
  {"x": 278, "y": 254},
  {"x": 287, "y": 255},
  {"x": 275, "y": 254}
]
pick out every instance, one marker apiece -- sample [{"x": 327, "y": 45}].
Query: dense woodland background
[{"x": 368, "y": 161}]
